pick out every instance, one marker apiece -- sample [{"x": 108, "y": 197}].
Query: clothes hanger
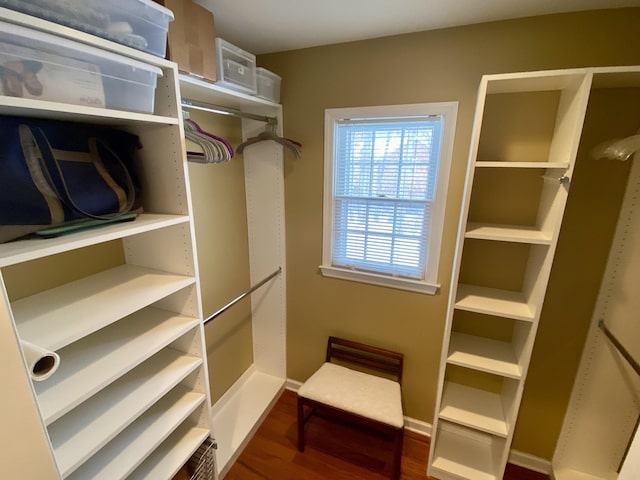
[
  {"x": 270, "y": 135},
  {"x": 214, "y": 150},
  {"x": 199, "y": 129}
]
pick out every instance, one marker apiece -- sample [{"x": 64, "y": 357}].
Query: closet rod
[
  {"x": 208, "y": 107},
  {"x": 244, "y": 294},
  {"x": 616, "y": 343}
]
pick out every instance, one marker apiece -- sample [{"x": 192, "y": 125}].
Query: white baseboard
[
  {"x": 292, "y": 385},
  {"x": 521, "y": 459}
]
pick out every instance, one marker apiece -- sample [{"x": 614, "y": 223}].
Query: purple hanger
[{"x": 210, "y": 135}]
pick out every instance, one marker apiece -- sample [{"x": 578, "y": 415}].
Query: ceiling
[{"x": 266, "y": 26}]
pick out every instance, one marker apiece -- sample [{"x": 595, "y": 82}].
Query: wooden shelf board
[
  {"x": 507, "y": 233},
  {"x": 55, "y": 318},
  {"x": 169, "y": 457},
  {"x": 89, "y": 365},
  {"x": 194, "y": 88},
  {"x": 463, "y": 457},
  {"x": 499, "y": 164},
  {"x": 83, "y": 431},
  {"x": 128, "y": 450},
  {"x": 483, "y": 354},
  {"x": 533, "y": 81},
  {"x": 25, "y": 250},
  {"x": 474, "y": 408},
  {"x": 574, "y": 474},
  {"x": 13, "y": 106},
  {"x": 237, "y": 416},
  {"x": 616, "y": 77},
  {"x": 492, "y": 301}
]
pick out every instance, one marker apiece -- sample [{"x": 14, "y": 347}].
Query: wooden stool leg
[
  {"x": 300, "y": 425},
  {"x": 397, "y": 454}
]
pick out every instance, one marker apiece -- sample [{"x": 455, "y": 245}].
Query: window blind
[{"x": 385, "y": 173}]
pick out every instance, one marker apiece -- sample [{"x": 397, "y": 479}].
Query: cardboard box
[{"x": 192, "y": 38}]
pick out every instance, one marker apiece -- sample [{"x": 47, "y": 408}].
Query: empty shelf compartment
[
  {"x": 474, "y": 408},
  {"x": 483, "y": 354},
  {"x": 466, "y": 454}
]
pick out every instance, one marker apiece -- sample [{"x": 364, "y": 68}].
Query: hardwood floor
[{"x": 332, "y": 452}]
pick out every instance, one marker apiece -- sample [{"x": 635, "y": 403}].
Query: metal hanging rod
[
  {"x": 208, "y": 107},
  {"x": 616, "y": 343},
  {"x": 244, "y": 294}
]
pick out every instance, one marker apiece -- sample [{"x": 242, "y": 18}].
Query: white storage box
[
  {"x": 236, "y": 68},
  {"x": 141, "y": 24},
  {"x": 41, "y": 66},
  {"x": 268, "y": 85}
]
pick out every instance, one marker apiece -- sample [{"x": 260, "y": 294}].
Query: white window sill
[{"x": 381, "y": 280}]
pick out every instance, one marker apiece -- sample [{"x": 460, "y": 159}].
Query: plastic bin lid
[
  {"x": 267, "y": 73},
  {"x": 160, "y": 8},
  {"x": 30, "y": 38}
]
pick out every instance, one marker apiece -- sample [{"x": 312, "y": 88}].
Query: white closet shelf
[
  {"x": 169, "y": 457},
  {"x": 25, "y": 250},
  {"x": 83, "y": 431},
  {"x": 493, "y": 301},
  {"x": 533, "y": 81},
  {"x": 55, "y": 318},
  {"x": 129, "y": 449},
  {"x": 64, "y": 111},
  {"x": 507, "y": 233},
  {"x": 474, "y": 408},
  {"x": 240, "y": 412},
  {"x": 194, "y": 88},
  {"x": 90, "y": 364},
  {"x": 488, "y": 164},
  {"x": 484, "y": 354},
  {"x": 571, "y": 474},
  {"x": 463, "y": 456}
]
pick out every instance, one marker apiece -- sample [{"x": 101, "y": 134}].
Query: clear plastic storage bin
[
  {"x": 236, "y": 68},
  {"x": 141, "y": 24},
  {"x": 40, "y": 66},
  {"x": 268, "y": 85}
]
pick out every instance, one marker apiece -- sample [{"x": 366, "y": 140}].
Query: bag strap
[
  {"x": 66, "y": 196},
  {"x": 129, "y": 187}
]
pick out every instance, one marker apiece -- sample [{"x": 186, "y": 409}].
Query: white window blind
[{"x": 385, "y": 176}]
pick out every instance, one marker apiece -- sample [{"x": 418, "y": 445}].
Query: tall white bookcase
[
  {"x": 131, "y": 397},
  {"x": 526, "y": 135}
]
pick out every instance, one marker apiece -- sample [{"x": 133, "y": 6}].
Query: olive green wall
[{"x": 444, "y": 65}]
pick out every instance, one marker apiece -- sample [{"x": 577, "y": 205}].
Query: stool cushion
[{"x": 364, "y": 394}]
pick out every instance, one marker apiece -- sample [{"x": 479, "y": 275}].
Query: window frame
[{"x": 429, "y": 284}]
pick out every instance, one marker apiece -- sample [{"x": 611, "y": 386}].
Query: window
[{"x": 386, "y": 175}]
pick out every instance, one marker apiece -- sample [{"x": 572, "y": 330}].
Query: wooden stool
[{"x": 353, "y": 396}]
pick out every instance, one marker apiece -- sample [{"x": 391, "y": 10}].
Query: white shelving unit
[
  {"x": 131, "y": 397},
  {"x": 239, "y": 412},
  {"x": 511, "y": 217},
  {"x": 602, "y": 413}
]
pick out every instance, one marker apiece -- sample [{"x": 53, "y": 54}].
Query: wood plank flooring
[{"x": 332, "y": 452}]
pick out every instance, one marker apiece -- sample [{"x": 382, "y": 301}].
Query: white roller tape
[{"x": 41, "y": 363}]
